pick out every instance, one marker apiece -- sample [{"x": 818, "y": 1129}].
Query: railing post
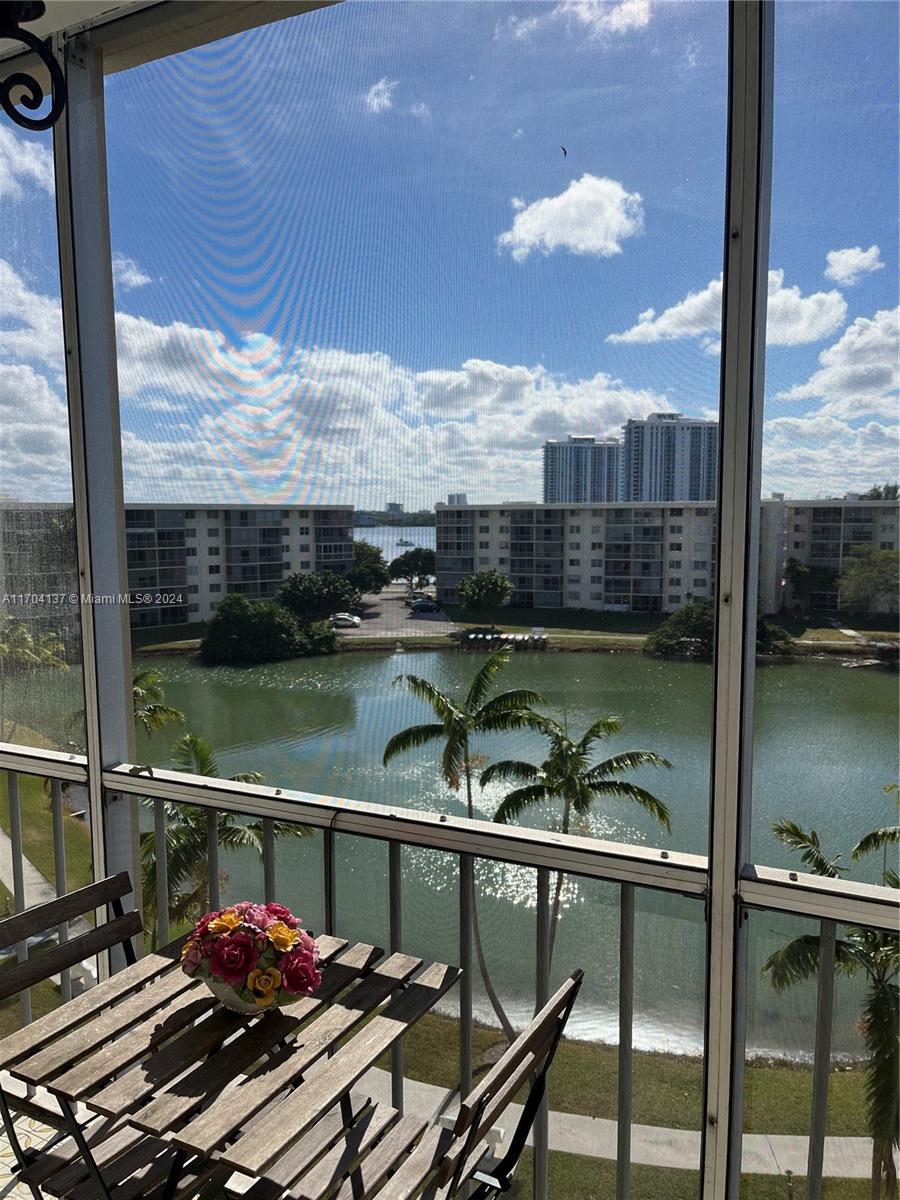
[
  {"x": 162, "y": 872},
  {"x": 329, "y": 881},
  {"x": 18, "y": 872},
  {"x": 59, "y": 871},
  {"x": 88, "y": 314},
  {"x": 268, "y": 859},
  {"x": 822, "y": 1060},
  {"x": 212, "y": 858},
  {"x": 626, "y": 1026},
  {"x": 395, "y": 936},
  {"x": 541, "y": 996},
  {"x": 466, "y": 912}
]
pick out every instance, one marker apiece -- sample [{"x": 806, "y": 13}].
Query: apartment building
[
  {"x": 647, "y": 557},
  {"x": 581, "y": 470},
  {"x": 609, "y": 557},
  {"x": 669, "y": 457},
  {"x": 181, "y": 561}
]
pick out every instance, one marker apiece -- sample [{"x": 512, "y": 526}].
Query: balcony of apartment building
[{"x": 409, "y": 869}]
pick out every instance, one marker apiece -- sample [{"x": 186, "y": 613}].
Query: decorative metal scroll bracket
[{"x": 31, "y": 94}]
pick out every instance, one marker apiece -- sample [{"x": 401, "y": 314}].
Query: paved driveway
[{"x": 387, "y": 616}]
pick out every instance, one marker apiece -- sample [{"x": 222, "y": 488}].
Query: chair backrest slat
[
  {"x": 536, "y": 1035},
  {"x": 23, "y": 975},
  {"x": 75, "y": 904}
]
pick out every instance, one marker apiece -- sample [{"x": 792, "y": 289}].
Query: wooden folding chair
[{"x": 446, "y": 1159}]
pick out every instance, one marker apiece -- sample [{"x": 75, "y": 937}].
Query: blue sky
[{"x": 354, "y": 264}]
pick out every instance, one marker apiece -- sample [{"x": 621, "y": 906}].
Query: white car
[{"x": 345, "y": 621}]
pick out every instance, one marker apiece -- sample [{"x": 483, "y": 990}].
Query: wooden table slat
[
  {"x": 390, "y": 1151},
  {"x": 94, "y": 1070},
  {"x": 477, "y": 1156},
  {"x": 322, "y": 1180},
  {"x": 62, "y": 1052},
  {"x": 306, "y": 1105},
  {"x": 226, "y": 1115},
  {"x": 117, "y": 1170},
  {"x": 93, "y": 1001},
  {"x": 65, "y": 1155},
  {"x": 130, "y": 1089}
]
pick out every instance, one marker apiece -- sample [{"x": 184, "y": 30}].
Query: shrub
[
  {"x": 690, "y": 633},
  {"x": 311, "y": 597},
  {"x": 243, "y": 632}
]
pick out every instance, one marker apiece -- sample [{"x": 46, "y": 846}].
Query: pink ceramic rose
[
  {"x": 233, "y": 957},
  {"x": 299, "y": 973}
]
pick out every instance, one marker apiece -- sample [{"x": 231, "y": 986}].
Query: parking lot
[{"x": 385, "y": 615}]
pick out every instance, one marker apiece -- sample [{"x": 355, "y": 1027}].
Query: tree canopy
[
  {"x": 869, "y": 577},
  {"x": 369, "y": 573},
  {"x": 484, "y": 591},
  {"x": 690, "y": 633},
  {"x": 415, "y": 566},
  {"x": 312, "y": 597},
  {"x": 882, "y": 491},
  {"x": 242, "y": 631}
]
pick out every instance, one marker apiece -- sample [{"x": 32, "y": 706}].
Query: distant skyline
[{"x": 384, "y": 278}]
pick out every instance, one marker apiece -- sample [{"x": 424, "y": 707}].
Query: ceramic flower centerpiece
[{"x": 252, "y": 957}]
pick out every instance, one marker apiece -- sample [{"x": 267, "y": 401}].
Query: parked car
[
  {"x": 411, "y": 599},
  {"x": 344, "y": 620},
  {"x": 425, "y": 605}
]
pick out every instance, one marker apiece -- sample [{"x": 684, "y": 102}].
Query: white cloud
[
  {"x": 793, "y": 319},
  {"x": 847, "y": 267},
  {"x": 519, "y": 133},
  {"x": 127, "y": 274},
  {"x": 23, "y": 161},
  {"x": 858, "y": 374},
  {"x": 380, "y": 96},
  {"x": 821, "y": 456},
  {"x": 599, "y": 19},
  {"x": 593, "y": 215},
  {"x": 420, "y": 109}
]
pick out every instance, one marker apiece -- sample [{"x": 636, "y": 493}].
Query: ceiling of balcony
[{"x": 61, "y": 14}]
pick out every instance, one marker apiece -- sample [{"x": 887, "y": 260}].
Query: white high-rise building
[
  {"x": 669, "y": 457},
  {"x": 581, "y": 470}
]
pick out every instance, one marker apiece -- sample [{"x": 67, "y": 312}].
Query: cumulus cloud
[
  {"x": 23, "y": 162},
  {"x": 594, "y": 215},
  {"x": 793, "y": 319},
  {"x": 380, "y": 96},
  {"x": 858, "y": 374},
  {"x": 847, "y": 267},
  {"x": 127, "y": 274},
  {"x": 816, "y": 455},
  {"x": 420, "y": 109},
  {"x": 599, "y": 19}
]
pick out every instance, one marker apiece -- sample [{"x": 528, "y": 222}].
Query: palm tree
[
  {"x": 567, "y": 774},
  {"x": 458, "y": 721},
  {"x": 873, "y": 954},
  {"x": 150, "y": 709},
  {"x": 186, "y": 834},
  {"x": 23, "y": 651}
]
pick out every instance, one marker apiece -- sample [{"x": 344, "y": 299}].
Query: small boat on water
[{"x": 405, "y": 542}]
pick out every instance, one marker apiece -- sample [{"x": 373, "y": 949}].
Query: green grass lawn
[{"x": 667, "y": 1087}]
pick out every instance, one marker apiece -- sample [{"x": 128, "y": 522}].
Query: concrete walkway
[{"x": 654, "y": 1146}]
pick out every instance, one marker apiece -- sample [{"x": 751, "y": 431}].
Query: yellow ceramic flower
[
  {"x": 264, "y": 986},
  {"x": 186, "y": 948},
  {"x": 282, "y": 937},
  {"x": 225, "y": 922}
]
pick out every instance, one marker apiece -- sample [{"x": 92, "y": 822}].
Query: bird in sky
[{"x": 565, "y": 152}]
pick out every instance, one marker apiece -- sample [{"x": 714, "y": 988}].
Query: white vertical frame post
[
  {"x": 740, "y": 434},
  {"x": 88, "y": 312}
]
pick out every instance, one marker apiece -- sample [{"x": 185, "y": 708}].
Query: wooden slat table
[{"x": 184, "y": 1093}]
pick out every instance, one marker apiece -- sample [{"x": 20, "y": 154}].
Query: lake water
[
  {"x": 388, "y": 538},
  {"x": 825, "y": 747}
]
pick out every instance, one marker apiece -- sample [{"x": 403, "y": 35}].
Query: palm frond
[
  {"x": 876, "y": 840},
  {"x": 519, "y": 700},
  {"x": 603, "y": 728},
  {"x": 412, "y": 738},
  {"x": 485, "y": 676},
  {"x": 630, "y": 791},
  {"x": 879, "y": 1023},
  {"x": 793, "y": 962},
  {"x": 195, "y": 754},
  {"x": 809, "y": 848},
  {"x": 453, "y": 760},
  {"x": 628, "y": 760},
  {"x": 509, "y": 768},
  {"x": 516, "y": 802},
  {"x": 424, "y": 690},
  {"x": 248, "y": 777}
]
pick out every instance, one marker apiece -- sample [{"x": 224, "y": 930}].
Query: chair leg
[{"x": 83, "y": 1148}]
